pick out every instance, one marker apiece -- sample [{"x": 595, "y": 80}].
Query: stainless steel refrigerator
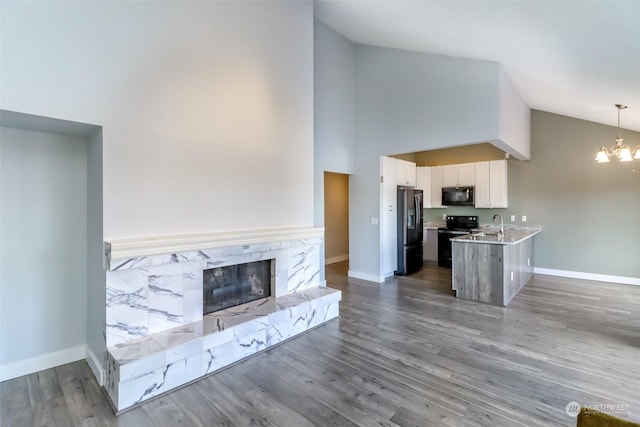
[{"x": 410, "y": 227}]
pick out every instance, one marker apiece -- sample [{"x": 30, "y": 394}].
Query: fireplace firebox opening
[{"x": 233, "y": 285}]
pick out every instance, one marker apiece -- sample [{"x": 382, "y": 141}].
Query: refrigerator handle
[{"x": 416, "y": 199}]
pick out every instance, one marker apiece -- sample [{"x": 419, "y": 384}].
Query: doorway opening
[{"x": 336, "y": 217}]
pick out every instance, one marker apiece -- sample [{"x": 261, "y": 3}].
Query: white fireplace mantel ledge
[{"x": 148, "y": 246}]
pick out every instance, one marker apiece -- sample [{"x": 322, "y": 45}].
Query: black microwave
[{"x": 458, "y": 196}]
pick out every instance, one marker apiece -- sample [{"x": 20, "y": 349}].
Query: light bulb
[
  {"x": 625, "y": 155},
  {"x": 602, "y": 157}
]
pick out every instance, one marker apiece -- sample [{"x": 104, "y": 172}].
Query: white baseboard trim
[
  {"x": 96, "y": 365},
  {"x": 365, "y": 276},
  {"x": 9, "y": 371},
  {"x": 335, "y": 259},
  {"x": 589, "y": 276}
]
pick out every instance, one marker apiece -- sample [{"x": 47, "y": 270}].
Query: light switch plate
[
  {"x": 524, "y": 218},
  {"x": 374, "y": 220}
]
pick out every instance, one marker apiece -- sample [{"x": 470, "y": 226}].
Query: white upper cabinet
[
  {"x": 437, "y": 173},
  {"x": 491, "y": 184},
  {"x": 423, "y": 182},
  {"x": 405, "y": 173},
  {"x": 467, "y": 175},
  {"x": 462, "y": 175}
]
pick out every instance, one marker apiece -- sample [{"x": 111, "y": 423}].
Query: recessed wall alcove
[{"x": 51, "y": 248}]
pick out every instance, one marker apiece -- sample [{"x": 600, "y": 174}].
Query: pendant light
[{"x": 622, "y": 151}]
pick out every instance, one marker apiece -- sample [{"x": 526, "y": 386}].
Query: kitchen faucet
[{"x": 501, "y": 232}]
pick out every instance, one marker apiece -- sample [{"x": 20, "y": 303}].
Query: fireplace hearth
[
  {"x": 232, "y": 285},
  {"x": 157, "y": 290}
]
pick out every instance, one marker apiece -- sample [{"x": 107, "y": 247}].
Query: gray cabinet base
[{"x": 491, "y": 273}]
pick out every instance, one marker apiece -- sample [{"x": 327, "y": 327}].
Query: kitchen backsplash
[{"x": 485, "y": 216}]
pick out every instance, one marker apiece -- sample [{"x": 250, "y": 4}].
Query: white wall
[
  {"x": 333, "y": 108},
  {"x": 206, "y": 110},
  {"x": 43, "y": 230},
  {"x": 407, "y": 102},
  {"x": 514, "y": 120},
  {"x": 207, "y": 107},
  {"x": 95, "y": 282}
]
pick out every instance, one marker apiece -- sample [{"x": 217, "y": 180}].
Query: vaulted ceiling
[{"x": 575, "y": 58}]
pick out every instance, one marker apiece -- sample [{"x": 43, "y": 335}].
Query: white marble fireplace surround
[{"x": 157, "y": 338}]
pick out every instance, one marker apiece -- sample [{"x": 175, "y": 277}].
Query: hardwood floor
[{"x": 403, "y": 353}]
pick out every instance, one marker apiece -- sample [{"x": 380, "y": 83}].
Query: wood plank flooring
[{"x": 402, "y": 353}]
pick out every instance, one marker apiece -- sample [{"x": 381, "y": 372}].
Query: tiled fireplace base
[{"x": 141, "y": 369}]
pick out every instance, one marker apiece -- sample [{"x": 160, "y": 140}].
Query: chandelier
[{"x": 623, "y": 152}]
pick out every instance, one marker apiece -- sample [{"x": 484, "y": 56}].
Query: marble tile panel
[
  {"x": 182, "y": 351},
  {"x": 141, "y": 366},
  {"x": 279, "y": 316},
  {"x": 192, "y": 285},
  {"x": 192, "y": 275},
  {"x": 192, "y": 305},
  {"x": 163, "y": 259},
  {"x": 126, "y": 305},
  {"x": 276, "y": 333},
  {"x": 193, "y": 367},
  {"x": 216, "y": 339},
  {"x": 134, "y": 350},
  {"x": 296, "y": 304},
  {"x": 209, "y": 361},
  {"x": 180, "y": 343},
  {"x": 298, "y": 324},
  {"x": 331, "y": 311},
  {"x": 111, "y": 377},
  {"x": 314, "y": 317},
  {"x": 244, "y": 346},
  {"x": 141, "y": 388},
  {"x": 213, "y": 253},
  {"x": 311, "y": 277},
  {"x": 127, "y": 263},
  {"x": 166, "y": 294},
  {"x": 295, "y": 278},
  {"x": 175, "y": 375},
  {"x": 327, "y": 294},
  {"x": 250, "y": 327},
  {"x": 218, "y": 357},
  {"x": 281, "y": 285},
  {"x": 299, "y": 256}
]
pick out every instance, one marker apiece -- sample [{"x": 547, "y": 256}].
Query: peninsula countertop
[{"x": 489, "y": 234}]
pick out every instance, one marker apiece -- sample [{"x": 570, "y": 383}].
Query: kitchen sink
[{"x": 488, "y": 236}]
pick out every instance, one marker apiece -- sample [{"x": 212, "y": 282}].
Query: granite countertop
[{"x": 488, "y": 234}]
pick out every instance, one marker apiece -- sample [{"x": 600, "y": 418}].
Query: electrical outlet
[
  {"x": 513, "y": 218},
  {"x": 444, "y": 217},
  {"x": 524, "y": 218}
]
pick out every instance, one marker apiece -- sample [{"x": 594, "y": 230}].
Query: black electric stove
[{"x": 457, "y": 225}]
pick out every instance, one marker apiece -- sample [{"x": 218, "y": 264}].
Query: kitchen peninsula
[{"x": 492, "y": 267}]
